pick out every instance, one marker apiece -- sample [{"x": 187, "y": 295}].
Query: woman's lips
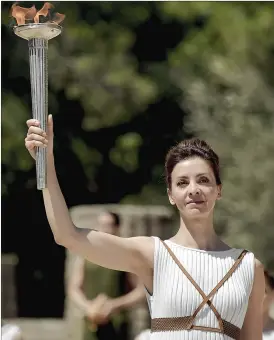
[{"x": 196, "y": 202}]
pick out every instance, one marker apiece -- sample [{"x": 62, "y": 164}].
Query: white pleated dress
[{"x": 175, "y": 296}]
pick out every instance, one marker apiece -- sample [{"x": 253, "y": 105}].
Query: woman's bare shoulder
[{"x": 145, "y": 246}]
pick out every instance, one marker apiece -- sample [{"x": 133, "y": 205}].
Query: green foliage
[
  {"x": 231, "y": 30},
  {"x": 149, "y": 195},
  {"x": 125, "y": 152},
  {"x": 90, "y": 158},
  {"x": 14, "y": 154},
  {"x": 92, "y": 64}
]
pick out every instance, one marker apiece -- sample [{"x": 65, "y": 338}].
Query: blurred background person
[
  {"x": 104, "y": 295},
  {"x": 268, "y": 333}
]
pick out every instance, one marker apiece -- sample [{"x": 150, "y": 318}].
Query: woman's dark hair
[
  {"x": 116, "y": 218},
  {"x": 187, "y": 149},
  {"x": 269, "y": 279}
]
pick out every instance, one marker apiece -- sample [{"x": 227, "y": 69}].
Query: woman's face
[{"x": 193, "y": 188}]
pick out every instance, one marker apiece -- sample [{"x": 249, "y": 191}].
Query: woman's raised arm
[{"x": 133, "y": 255}]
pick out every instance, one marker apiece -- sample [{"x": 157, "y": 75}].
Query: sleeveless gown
[{"x": 175, "y": 296}]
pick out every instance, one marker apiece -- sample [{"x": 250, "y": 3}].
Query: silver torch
[{"x": 38, "y": 34}]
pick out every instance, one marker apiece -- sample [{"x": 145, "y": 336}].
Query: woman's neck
[{"x": 199, "y": 234}]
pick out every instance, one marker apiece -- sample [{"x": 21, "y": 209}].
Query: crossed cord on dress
[{"x": 187, "y": 322}]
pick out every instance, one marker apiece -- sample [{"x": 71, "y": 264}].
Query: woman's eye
[
  {"x": 181, "y": 183},
  {"x": 204, "y": 180}
]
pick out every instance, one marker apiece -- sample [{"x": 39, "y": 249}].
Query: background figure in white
[
  {"x": 144, "y": 335},
  {"x": 268, "y": 332},
  {"x": 11, "y": 332}
]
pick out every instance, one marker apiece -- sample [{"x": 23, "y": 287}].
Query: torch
[{"x": 38, "y": 34}]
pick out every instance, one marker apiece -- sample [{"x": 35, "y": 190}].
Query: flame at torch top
[
  {"x": 22, "y": 14},
  {"x": 29, "y": 25},
  {"x": 44, "y": 11}
]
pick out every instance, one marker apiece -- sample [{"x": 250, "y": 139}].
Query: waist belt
[{"x": 187, "y": 322}]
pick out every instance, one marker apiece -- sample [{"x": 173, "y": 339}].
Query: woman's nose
[{"x": 194, "y": 189}]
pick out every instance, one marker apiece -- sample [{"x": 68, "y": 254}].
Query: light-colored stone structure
[{"x": 135, "y": 221}]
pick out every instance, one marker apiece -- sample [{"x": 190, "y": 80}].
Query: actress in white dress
[{"x": 198, "y": 287}]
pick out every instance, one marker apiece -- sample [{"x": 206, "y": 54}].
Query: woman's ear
[
  {"x": 219, "y": 195},
  {"x": 170, "y": 197}
]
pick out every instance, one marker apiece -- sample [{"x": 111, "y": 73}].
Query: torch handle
[{"x": 38, "y": 57}]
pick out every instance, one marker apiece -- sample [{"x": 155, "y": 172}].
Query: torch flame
[
  {"x": 58, "y": 17},
  {"x": 22, "y": 14},
  {"x": 43, "y": 11}
]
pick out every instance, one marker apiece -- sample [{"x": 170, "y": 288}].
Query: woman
[
  {"x": 268, "y": 332},
  {"x": 197, "y": 286}
]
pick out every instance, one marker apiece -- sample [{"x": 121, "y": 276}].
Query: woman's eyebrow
[{"x": 198, "y": 175}]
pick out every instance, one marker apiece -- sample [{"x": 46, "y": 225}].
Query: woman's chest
[{"x": 180, "y": 293}]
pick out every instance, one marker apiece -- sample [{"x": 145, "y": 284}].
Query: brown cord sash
[
  {"x": 187, "y": 322},
  {"x": 184, "y": 323}
]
